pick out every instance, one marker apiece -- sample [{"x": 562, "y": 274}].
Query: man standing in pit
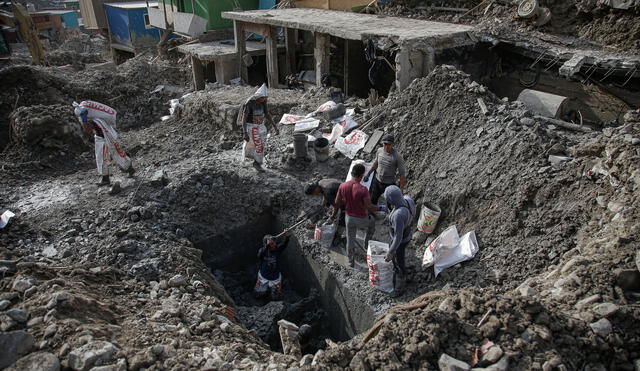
[
  {"x": 401, "y": 231},
  {"x": 254, "y": 131},
  {"x": 106, "y": 143},
  {"x": 388, "y": 162},
  {"x": 356, "y": 201},
  {"x": 269, "y": 276}
]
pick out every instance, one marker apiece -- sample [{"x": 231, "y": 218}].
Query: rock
[
  {"x": 557, "y": 149},
  {"x": 120, "y": 366},
  {"x": 21, "y": 285},
  {"x": 18, "y": 315},
  {"x": 628, "y": 279},
  {"x": 9, "y": 296},
  {"x": 35, "y": 321},
  {"x": 115, "y": 188},
  {"x": 503, "y": 365},
  {"x": 605, "y": 309},
  {"x": 447, "y": 305},
  {"x": 30, "y": 291},
  {"x": 492, "y": 356},
  {"x": 142, "y": 359},
  {"x": 14, "y": 345},
  {"x": 39, "y": 361},
  {"x": 526, "y": 291},
  {"x": 586, "y": 301},
  {"x": 49, "y": 252},
  {"x": 178, "y": 280},
  {"x": 4, "y": 304},
  {"x": 602, "y": 327},
  {"x": 306, "y": 360},
  {"x": 159, "y": 178},
  {"x": 527, "y": 121},
  {"x": 95, "y": 353},
  {"x": 50, "y": 330},
  {"x": 448, "y": 363}
]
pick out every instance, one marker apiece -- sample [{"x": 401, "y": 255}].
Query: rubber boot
[
  {"x": 105, "y": 181},
  {"x": 258, "y": 166}
]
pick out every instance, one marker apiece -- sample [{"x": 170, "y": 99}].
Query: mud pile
[
  {"x": 587, "y": 21},
  {"x": 562, "y": 235},
  {"x": 53, "y": 126}
]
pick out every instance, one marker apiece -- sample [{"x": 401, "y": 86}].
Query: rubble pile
[
  {"x": 558, "y": 238},
  {"x": 587, "y": 20},
  {"x": 53, "y": 126}
]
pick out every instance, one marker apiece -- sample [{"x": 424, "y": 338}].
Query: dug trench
[{"x": 311, "y": 292}]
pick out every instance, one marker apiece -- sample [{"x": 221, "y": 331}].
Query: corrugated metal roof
[{"x": 133, "y": 4}]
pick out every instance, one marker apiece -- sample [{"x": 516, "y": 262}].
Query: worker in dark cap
[
  {"x": 269, "y": 276},
  {"x": 327, "y": 187},
  {"x": 388, "y": 164}
]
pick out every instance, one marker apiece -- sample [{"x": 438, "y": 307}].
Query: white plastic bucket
[{"x": 429, "y": 216}]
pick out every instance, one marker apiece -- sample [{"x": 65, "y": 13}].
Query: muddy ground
[{"x": 158, "y": 274}]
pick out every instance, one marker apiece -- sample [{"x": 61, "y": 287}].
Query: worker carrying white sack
[
  {"x": 254, "y": 131},
  {"x": 100, "y": 119}
]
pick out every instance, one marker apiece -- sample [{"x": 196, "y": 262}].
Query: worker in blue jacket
[{"x": 269, "y": 275}]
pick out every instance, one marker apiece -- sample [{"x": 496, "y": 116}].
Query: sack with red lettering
[
  {"x": 380, "y": 270},
  {"x": 352, "y": 143},
  {"x": 100, "y": 111}
]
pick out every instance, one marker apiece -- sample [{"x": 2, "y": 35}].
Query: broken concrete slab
[{"x": 448, "y": 363}]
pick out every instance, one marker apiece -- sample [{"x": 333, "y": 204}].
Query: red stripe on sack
[{"x": 98, "y": 106}]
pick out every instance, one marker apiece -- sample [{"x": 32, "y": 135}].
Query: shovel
[{"x": 306, "y": 217}]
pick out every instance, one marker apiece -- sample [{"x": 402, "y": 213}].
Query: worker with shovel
[
  {"x": 269, "y": 276},
  {"x": 254, "y": 131},
  {"x": 105, "y": 137},
  {"x": 403, "y": 211}
]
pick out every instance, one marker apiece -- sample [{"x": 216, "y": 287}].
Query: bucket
[
  {"x": 335, "y": 112},
  {"x": 428, "y": 217},
  {"x": 321, "y": 147},
  {"x": 300, "y": 145}
]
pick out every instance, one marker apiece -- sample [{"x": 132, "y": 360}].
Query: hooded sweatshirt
[
  {"x": 270, "y": 260},
  {"x": 404, "y": 209}
]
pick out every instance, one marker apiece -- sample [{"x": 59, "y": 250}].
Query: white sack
[{"x": 380, "y": 271}]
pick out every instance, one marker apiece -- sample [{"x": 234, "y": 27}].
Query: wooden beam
[
  {"x": 321, "y": 53},
  {"x": 272, "y": 58},
  {"x": 241, "y": 50},
  {"x": 291, "y": 42},
  {"x": 197, "y": 69}
]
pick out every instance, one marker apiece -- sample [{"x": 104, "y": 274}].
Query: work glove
[
  {"x": 366, "y": 178},
  {"x": 246, "y": 138},
  {"x": 383, "y": 208},
  {"x": 389, "y": 257}
]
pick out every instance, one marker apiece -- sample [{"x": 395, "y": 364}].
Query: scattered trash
[
  {"x": 555, "y": 160},
  {"x": 352, "y": 143},
  {"x": 448, "y": 249},
  {"x": 325, "y": 234},
  {"x": 380, "y": 271},
  {"x": 306, "y": 125},
  {"x": 289, "y": 119},
  {"x": 4, "y": 218}
]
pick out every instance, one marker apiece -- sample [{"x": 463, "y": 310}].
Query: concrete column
[
  {"x": 409, "y": 66},
  {"x": 241, "y": 50},
  {"x": 272, "y": 58},
  {"x": 197, "y": 68},
  {"x": 346, "y": 67},
  {"x": 225, "y": 70},
  {"x": 321, "y": 53},
  {"x": 291, "y": 41}
]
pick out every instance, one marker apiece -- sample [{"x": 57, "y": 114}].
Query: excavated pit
[{"x": 311, "y": 292}]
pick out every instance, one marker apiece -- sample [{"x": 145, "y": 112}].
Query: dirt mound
[
  {"x": 586, "y": 21},
  {"x": 77, "y": 60},
  {"x": 83, "y": 43},
  {"x": 48, "y": 127}
]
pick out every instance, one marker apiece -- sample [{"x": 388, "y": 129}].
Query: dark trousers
[
  {"x": 377, "y": 189},
  {"x": 398, "y": 261}
]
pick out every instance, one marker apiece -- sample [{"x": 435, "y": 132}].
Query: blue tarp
[
  {"x": 70, "y": 19},
  {"x": 267, "y": 4}
]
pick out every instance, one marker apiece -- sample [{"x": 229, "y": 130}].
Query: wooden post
[
  {"x": 272, "y": 58},
  {"x": 291, "y": 41},
  {"x": 321, "y": 53},
  {"x": 241, "y": 50},
  {"x": 346, "y": 67},
  {"x": 197, "y": 68}
]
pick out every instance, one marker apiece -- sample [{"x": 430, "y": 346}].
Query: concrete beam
[
  {"x": 321, "y": 53},
  {"x": 410, "y": 65}
]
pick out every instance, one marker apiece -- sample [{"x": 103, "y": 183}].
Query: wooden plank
[
  {"x": 291, "y": 42},
  {"x": 373, "y": 141},
  {"x": 272, "y": 59},
  {"x": 241, "y": 50},
  {"x": 321, "y": 53}
]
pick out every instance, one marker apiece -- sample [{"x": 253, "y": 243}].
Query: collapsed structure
[{"x": 159, "y": 274}]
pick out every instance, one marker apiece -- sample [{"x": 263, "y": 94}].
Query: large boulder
[
  {"x": 95, "y": 353},
  {"x": 14, "y": 345},
  {"x": 39, "y": 361}
]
